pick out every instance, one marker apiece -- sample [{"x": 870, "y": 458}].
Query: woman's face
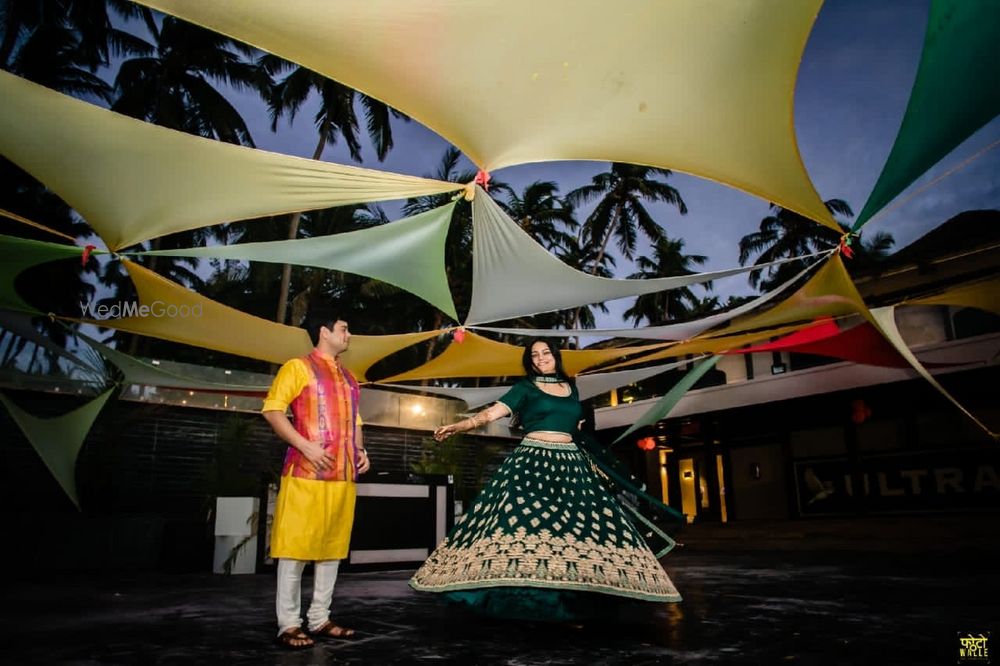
[{"x": 542, "y": 358}]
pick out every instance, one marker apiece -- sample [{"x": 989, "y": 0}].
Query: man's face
[{"x": 337, "y": 338}]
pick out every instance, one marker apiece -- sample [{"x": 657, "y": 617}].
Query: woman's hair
[{"x": 529, "y": 367}]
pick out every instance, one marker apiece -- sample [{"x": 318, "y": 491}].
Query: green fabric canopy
[
  {"x": 672, "y": 397},
  {"x": 408, "y": 253},
  {"x": 18, "y": 254},
  {"x": 58, "y": 440},
  {"x": 957, "y": 91}
]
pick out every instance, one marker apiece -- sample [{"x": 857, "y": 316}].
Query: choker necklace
[{"x": 548, "y": 379}]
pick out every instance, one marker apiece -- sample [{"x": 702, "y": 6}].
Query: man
[{"x": 315, "y": 505}]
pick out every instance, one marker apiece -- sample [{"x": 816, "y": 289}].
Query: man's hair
[
  {"x": 529, "y": 366},
  {"x": 317, "y": 320}
]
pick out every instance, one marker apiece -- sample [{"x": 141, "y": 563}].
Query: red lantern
[{"x": 646, "y": 443}]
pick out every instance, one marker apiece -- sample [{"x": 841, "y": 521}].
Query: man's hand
[{"x": 317, "y": 455}]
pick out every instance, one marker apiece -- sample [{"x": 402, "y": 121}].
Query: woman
[{"x": 544, "y": 539}]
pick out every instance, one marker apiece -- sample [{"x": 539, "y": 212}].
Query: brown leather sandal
[
  {"x": 331, "y": 630},
  {"x": 295, "y": 639}
]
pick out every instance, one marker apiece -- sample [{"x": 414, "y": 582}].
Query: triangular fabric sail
[
  {"x": 662, "y": 407},
  {"x": 58, "y": 440},
  {"x": 602, "y": 382},
  {"x": 202, "y": 322},
  {"x": 178, "y": 314},
  {"x": 955, "y": 93},
  {"x": 885, "y": 319},
  {"x": 861, "y": 343},
  {"x": 408, "y": 253},
  {"x": 709, "y": 344},
  {"x": 508, "y": 265},
  {"x": 18, "y": 254},
  {"x": 587, "y": 385},
  {"x": 472, "y": 396},
  {"x": 137, "y": 371},
  {"x": 141, "y": 181},
  {"x": 366, "y": 350},
  {"x": 20, "y": 324},
  {"x": 984, "y": 295},
  {"x": 830, "y": 292},
  {"x": 679, "y": 331},
  {"x": 701, "y": 87},
  {"x": 477, "y": 356}
]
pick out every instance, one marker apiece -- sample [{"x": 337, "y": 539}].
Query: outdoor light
[{"x": 417, "y": 409}]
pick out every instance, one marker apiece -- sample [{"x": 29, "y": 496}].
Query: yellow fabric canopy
[
  {"x": 984, "y": 295},
  {"x": 133, "y": 181},
  {"x": 477, "y": 356},
  {"x": 202, "y": 322},
  {"x": 830, "y": 292},
  {"x": 700, "y": 86},
  {"x": 366, "y": 350},
  {"x": 706, "y": 345}
]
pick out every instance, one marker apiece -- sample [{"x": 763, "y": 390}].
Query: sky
[{"x": 854, "y": 81}]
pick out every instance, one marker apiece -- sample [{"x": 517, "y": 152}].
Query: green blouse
[{"x": 542, "y": 411}]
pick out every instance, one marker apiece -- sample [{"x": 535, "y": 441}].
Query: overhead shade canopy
[
  {"x": 477, "y": 356},
  {"x": 137, "y": 371},
  {"x": 678, "y": 331},
  {"x": 19, "y": 254},
  {"x": 860, "y": 343},
  {"x": 984, "y": 294},
  {"x": 700, "y": 86},
  {"x": 885, "y": 320},
  {"x": 202, "y": 322},
  {"x": 228, "y": 330},
  {"x": 956, "y": 93},
  {"x": 508, "y": 266},
  {"x": 408, "y": 253},
  {"x": 58, "y": 440},
  {"x": 709, "y": 345},
  {"x": 830, "y": 292},
  {"x": 133, "y": 181},
  {"x": 587, "y": 385}
]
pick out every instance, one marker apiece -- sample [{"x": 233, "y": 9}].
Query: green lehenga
[{"x": 542, "y": 537}]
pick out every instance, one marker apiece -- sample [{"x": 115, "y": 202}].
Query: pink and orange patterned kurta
[{"x": 315, "y": 508}]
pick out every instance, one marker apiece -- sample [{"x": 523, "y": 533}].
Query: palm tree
[
  {"x": 336, "y": 118},
  {"x": 668, "y": 260},
  {"x": 540, "y": 213},
  {"x": 785, "y": 234},
  {"x": 621, "y": 194},
  {"x": 58, "y": 44},
  {"x": 175, "y": 85},
  {"x": 620, "y": 211}
]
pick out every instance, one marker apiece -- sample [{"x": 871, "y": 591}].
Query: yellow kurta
[{"x": 313, "y": 518}]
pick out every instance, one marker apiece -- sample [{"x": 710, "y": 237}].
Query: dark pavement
[{"x": 884, "y": 591}]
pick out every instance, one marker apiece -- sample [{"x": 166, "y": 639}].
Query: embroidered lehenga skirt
[{"x": 544, "y": 539}]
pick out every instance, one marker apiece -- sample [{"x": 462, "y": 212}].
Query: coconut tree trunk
[{"x": 293, "y": 230}]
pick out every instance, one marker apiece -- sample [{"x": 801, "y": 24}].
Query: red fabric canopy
[{"x": 860, "y": 344}]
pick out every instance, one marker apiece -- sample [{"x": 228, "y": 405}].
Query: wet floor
[{"x": 759, "y": 607}]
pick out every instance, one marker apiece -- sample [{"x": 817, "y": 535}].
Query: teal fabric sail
[{"x": 955, "y": 93}]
